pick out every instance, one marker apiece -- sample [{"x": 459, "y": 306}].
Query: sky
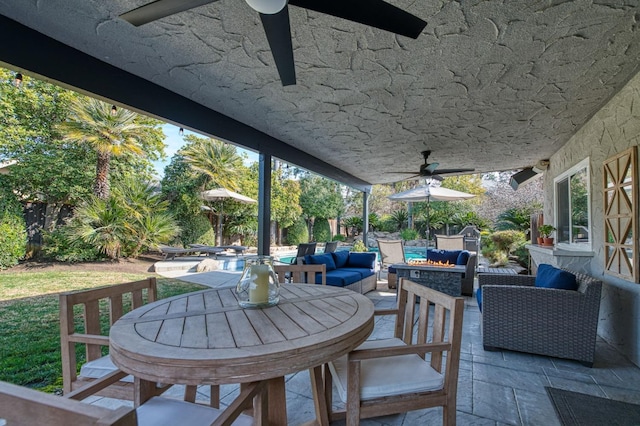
[{"x": 174, "y": 142}]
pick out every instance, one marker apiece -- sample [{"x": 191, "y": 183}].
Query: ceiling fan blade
[
  {"x": 278, "y": 30},
  {"x": 449, "y": 171},
  {"x": 375, "y": 13},
  {"x": 159, "y": 9},
  {"x": 430, "y": 168}
]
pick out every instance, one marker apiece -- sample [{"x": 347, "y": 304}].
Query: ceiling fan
[
  {"x": 275, "y": 20},
  {"x": 431, "y": 170}
]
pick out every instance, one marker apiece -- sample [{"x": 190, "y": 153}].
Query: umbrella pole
[{"x": 426, "y": 249}]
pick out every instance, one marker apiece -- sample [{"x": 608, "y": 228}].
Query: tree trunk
[{"x": 101, "y": 186}]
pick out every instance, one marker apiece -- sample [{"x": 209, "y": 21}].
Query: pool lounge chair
[{"x": 171, "y": 252}]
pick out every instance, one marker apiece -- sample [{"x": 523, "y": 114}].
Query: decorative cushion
[
  {"x": 479, "y": 298},
  {"x": 463, "y": 258},
  {"x": 387, "y": 376},
  {"x": 362, "y": 260},
  {"x": 449, "y": 256},
  {"x": 340, "y": 258},
  {"x": 551, "y": 277},
  {"x": 321, "y": 259}
]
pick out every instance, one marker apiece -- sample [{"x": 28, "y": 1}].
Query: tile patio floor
[{"x": 494, "y": 388}]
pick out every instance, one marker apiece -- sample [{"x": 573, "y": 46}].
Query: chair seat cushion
[
  {"x": 159, "y": 411},
  {"x": 388, "y": 376},
  {"x": 101, "y": 367},
  {"x": 551, "y": 277},
  {"x": 479, "y": 298}
]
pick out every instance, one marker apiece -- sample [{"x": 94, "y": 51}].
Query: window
[{"x": 573, "y": 218}]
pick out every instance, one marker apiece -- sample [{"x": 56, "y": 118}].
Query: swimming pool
[{"x": 410, "y": 252}]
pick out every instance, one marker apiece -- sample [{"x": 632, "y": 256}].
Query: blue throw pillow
[
  {"x": 463, "y": 258},
  {"x": 551, "y": 277},
  {"x": 322, "y": 259},
  {"x": 447, "y": 256},
  {"x": 340, "y": 258},
  {"x": 362, "y": 260},
  {"x": 479, "y": 298}
]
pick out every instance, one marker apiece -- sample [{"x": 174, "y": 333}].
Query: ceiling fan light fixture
[{"x": 268, "y": 7}]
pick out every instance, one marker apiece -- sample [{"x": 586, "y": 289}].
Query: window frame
[{"x": 566, "y": 175}]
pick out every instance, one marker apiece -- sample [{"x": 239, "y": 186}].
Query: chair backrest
[
  {"x": 300, "y": 273},
  {"x": 304, "y": 249},
  {"x": 330, "y": 246},
  {"x": 116, "y": 301},
  {"x": 445, "y": 328},
  {"x": 24, "y": 406},
  {"x": 450, "y": 242},
  {"x": 391, "y": 251}
]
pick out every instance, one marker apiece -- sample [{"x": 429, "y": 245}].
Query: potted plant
[{"x": 545, "y": 232}]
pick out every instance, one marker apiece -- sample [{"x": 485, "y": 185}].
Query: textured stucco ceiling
[{"x": 490, "y": 85}]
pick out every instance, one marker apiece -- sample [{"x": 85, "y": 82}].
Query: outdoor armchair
[
  {"x": 415, "y": 369},
  {"x": 391, "y": 251},
  {"x": 518, "y": 316}
]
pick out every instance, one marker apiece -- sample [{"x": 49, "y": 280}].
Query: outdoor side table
[{"x": 205, "y": 338}]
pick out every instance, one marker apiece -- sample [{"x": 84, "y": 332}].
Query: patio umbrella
[
  {"x": 428, "y": 193},
  {"x": 222, "y": 194}
]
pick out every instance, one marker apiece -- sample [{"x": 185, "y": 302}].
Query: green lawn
[{"x": 29, "y": 320}]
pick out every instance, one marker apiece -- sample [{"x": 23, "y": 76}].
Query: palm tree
[
  {"x": 108, "y": 130},
  {"x": 217, "y": 160}
]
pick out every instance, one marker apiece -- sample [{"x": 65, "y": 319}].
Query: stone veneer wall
[{"x": 613, "y": 129}]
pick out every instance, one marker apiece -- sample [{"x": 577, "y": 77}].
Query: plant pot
[
  {"x": 547, "y": 241},
  {"x": 540, "y": 240}
]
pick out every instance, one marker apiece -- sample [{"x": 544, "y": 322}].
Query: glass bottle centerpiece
[{"x": 258, "y": 286}]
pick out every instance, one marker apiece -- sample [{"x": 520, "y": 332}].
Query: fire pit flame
[{"x": 427, "y": 262}]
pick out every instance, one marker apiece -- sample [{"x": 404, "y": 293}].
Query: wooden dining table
[{"x": 206, "y": 338}]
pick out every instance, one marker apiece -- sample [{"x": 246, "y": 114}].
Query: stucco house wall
[{"x": 615, "y": 128}]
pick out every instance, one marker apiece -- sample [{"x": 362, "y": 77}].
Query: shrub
[
  {"x": 507, "y": 241},
  {"x": 358, "y": 246},
  {"x": 409, "y": 234},
  {"x": 196, "y": 229},
  {"x": 59, "y": 246},
  {"x": 298, "y": 233},
  {"x": 321, "y": 230},
  {"x": 13, "y": 233},
  {"x": 339, "y": 237}
]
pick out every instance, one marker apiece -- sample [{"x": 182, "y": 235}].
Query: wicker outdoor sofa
[{"x": 517, "y": 316}]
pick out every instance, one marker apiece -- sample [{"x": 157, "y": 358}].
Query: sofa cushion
[
  {"x": 362, "y": 260},
  {"x": 340, "y": 258},
  {"x": 341, "y": 278},
  {"x": 463, "y": 257},
  {"x": 479, "y": 298},
  {"x": 364, "y": 272},
  {"x": 448, "y": 256},
  {"x": 321, "y": 259},
  {"x": 551, "y": 277}
]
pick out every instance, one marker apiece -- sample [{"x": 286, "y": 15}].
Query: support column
[
  {"x": 264, "y": 204},
  {"x": 365, "y": 218}
]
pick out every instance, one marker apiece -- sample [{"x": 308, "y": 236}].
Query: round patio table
[{"x": 206, "y": 338}]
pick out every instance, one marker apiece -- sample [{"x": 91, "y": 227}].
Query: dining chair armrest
[
  {"x": 362, "y": 354},
  {"x": 94, "y": 339},
  {"x": 381, "y": 312},
  {"x": 96, "y": 385}
]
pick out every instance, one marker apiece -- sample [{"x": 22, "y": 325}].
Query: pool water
[{"x": 409, "y": 253}]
